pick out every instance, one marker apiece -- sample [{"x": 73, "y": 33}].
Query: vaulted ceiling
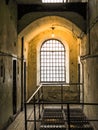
[{"x": 65, "y": 18}]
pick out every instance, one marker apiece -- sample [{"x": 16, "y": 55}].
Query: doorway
[{"x": 14, "y": 93}]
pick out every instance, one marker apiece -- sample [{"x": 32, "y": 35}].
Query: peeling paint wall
[
  {"x": 90, "y": 63},
  {"x": 8, "y": 51}
]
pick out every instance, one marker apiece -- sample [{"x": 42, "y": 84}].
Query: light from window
[
  {"x": 52, "y": 61},
  {"x": 53, "y": 1}
]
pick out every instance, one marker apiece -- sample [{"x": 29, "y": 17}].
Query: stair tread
[
  {"x": 52, "y": 126},
  {"x": 55, "y": 119}
]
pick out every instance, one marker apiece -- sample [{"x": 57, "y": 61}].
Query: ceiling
[
  {"x": 37, "y": 26},
  {"x": 28, "y": 1}
]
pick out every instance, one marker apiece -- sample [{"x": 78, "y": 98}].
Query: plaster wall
[
  {"x": 70, "y": 92},
  {"x": 90, "y": 64},
  {"x": 91, "y": 89},
  {"x": 8, "y": 51}
]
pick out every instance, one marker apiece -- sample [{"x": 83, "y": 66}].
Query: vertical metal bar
[
  {"x": 22, "y": 59},
  {"x": 34, "y": 114},
  {"x": 68, "y": 116},
  {"x": 39, "y": 102},
  {"x": 61, "y": 96},
  {"x": 42, "y": 97},
  {"x": 25, "y": 110},
  {"x": 79, "y": 79},
  {"x": 82, "y": 85},
  {"x": 25, "y": 107},
  {"x": 88, "y": 28}
]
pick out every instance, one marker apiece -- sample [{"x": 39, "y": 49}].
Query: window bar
[{"x": 54, "y": 52}]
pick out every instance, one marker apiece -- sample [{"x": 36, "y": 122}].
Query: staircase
[
  {"x": 57, "y": 119},
  {"x": 53, "y": 119},
  {"x": 78, "y": 121}
]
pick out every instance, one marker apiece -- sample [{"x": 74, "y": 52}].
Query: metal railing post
[
  {"x": 61, "y": 96},
  {"x": 39, "y": 103},
  {"x": 25, "y": 111},
  {"x": 68, "y": 115},
  {"x": 34, "y": 114},
  {"x": 42, "y": 97},
  {"x": 25, "y": 105}
]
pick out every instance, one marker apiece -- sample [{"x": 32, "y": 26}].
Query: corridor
[{"x": 48, "y": 59}]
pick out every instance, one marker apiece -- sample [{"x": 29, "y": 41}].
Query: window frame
[{"x": 64, "y": 64}]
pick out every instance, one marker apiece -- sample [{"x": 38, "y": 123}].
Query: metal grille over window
[{"x": 52, "y": 61}]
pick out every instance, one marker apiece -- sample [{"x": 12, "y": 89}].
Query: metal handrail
[
  {"x": 34, "y": 93},
  {"x": 40, "y": 103}
]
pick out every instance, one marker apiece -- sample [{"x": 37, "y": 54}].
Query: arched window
[{"x": 52, "y": 61}]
